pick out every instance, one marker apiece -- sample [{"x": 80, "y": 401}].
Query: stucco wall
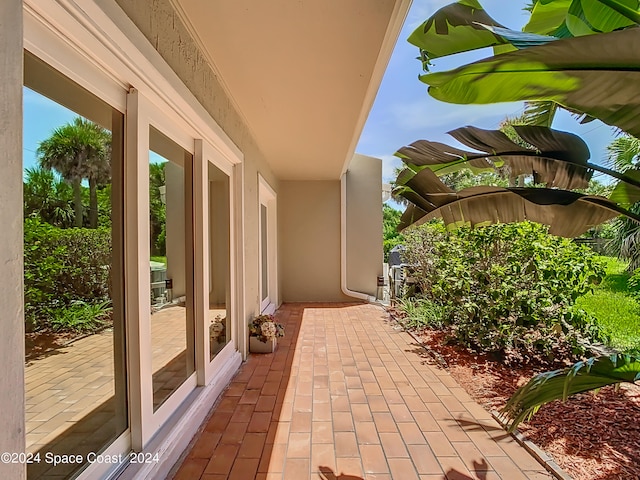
[
  {"x": 364, "y": 224},
  {"x": 12, "y": 423},
  {"x": 309, "y": 237},
  {"x": 162, "y": 27}
]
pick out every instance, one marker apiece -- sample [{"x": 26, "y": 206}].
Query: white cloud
[{"x": 389, "y": 165}]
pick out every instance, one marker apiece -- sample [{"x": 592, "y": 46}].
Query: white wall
[
  {"x": 309, "y": 236},
  {"x": 364, "y": 224}
]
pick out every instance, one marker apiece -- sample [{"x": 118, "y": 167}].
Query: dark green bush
[
  {"x": 63, "y": 266},
  {"x": 507, "y": 289}
]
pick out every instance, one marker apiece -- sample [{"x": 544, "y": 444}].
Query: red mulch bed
[{"x": 591, "y": 436}]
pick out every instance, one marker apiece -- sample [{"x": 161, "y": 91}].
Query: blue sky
[
  {"x": 403, "y": 112},
  {"x": 41, "y": 117}
]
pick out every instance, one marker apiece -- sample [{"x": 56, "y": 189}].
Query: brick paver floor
[{"x": 346, "y": 396}]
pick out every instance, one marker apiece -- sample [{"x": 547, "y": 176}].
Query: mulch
[{"x": 591, "y": 436}]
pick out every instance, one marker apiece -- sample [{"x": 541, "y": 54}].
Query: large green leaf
[
  {"x": 547, "y": 17},
  {"x": 565, "y": 18},
  {"x": 558, "y": 159},
  {"x": 560, "y": 384},
  {"x": 597, "y": 74},
  {"x": 453, "y": 29},
  {"x": 568, "y": 214}
]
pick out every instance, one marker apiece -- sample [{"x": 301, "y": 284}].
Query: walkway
[{"x": 346, "y": 396}]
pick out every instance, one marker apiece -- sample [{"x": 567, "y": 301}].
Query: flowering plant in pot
[{"x": 264, "y": 332}]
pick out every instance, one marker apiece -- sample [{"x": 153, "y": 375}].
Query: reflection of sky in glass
[
  {"x": 155, "y": 158},
  {"x": 41, "y": 117}
]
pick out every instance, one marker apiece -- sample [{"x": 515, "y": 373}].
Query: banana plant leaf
[
  {"x": 453, "y": 29},
  {"x": 568, "y": 214},
  {"x": 442, "y": 158},
  {"x": 564, "y": 18},
  {"x": 583, "y": 376},
  {"x": 596, "y": 74},
  {"x": 410, "y": 216},
  {"x": 558, "y": 159},
  {"x": 465, "y": 26}
]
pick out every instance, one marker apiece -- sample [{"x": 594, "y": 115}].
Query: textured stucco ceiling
[{"x": 303, "y": 73}]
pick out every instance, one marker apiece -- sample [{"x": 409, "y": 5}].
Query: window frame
[
  {"x": 97, "y": 46},
  {"x": 267, "y": 198}
]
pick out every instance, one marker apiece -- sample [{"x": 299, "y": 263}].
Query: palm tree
[
  {"x": 623, "y": 154},
  {"x": 78, "y": 150}
]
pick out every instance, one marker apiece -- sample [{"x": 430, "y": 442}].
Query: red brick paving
[{"x": 346, "y": 396}]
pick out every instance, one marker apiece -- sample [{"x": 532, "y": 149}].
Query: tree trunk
[
  {"x": 77, "y": 203},
  {"x": 93, "y": 203}
]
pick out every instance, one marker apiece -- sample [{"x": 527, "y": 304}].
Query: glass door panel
[
  {"x": 75, "y": 376},
  {"x": 170, "y": 265},
  {"x": 219, "y": 261}
]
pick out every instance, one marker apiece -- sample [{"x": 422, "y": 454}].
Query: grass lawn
[
  {"x": 159, "y": 259},
  {"x": 615, "y": 308}
]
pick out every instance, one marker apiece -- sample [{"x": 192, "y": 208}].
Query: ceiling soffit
[{"x": 303, "y": 74}]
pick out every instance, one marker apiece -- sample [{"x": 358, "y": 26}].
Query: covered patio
[{"x": 348, "y": 396}]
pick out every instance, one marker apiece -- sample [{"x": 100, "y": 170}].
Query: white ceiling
[{"x": 302, "y": 73}]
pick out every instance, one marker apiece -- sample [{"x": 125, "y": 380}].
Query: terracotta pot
[{"x": 256, "y": 346}]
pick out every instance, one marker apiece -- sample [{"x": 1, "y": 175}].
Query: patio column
[{"x": 12, "y": 422}]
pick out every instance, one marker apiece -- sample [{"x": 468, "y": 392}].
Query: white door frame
[{"x": 267, "y": 198}]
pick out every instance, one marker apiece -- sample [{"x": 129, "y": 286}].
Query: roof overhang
[{"x": 303, "y": 74}]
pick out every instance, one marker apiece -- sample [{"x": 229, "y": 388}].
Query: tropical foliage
[
  {"x": 506, "y": 289},
  {"x": 390, "y": 235},
  {"x": 583, "y": 376},
  {"x": 553, "y": 159},
  {"x": 158, "y": 209},
  {"x": 63, "y": 267},
  {"x": 624, "y": 155},
  {"x": 48, "y": 197},
  {"x": 595, "y": 76},
  {"x": 77, "y": 151},
  {"x": 550, "y": 62}
]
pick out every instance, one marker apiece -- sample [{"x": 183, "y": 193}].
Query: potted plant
[{"x": 264, "y": 332}]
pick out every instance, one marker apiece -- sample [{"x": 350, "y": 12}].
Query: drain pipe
[{"x": 343, "y": 246}]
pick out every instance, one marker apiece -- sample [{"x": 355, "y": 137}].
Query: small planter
[{"x": 256, "y": 346}]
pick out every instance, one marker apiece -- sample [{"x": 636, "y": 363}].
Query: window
[
  {"x": 268, "y": 249},
  {"x": 76, "y": 380},
  {"x": 220, "y": 327},
  {"x": 171, "y": 263}
]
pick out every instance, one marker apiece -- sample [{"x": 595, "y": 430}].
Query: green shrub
[
  {"x": 80, "y": 316},
  {"x": 62, "y": 266},
  {"x": 390, "y": 235},
  {"x": 508, "y": 289},
  {"x": 422, "y": 312},
  {"x": 634, "y": 282}
]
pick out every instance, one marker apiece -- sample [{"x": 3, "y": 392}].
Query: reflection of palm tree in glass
[
  {"x": 79, "y": 150},
  {"x": 48, "y": 197}
]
